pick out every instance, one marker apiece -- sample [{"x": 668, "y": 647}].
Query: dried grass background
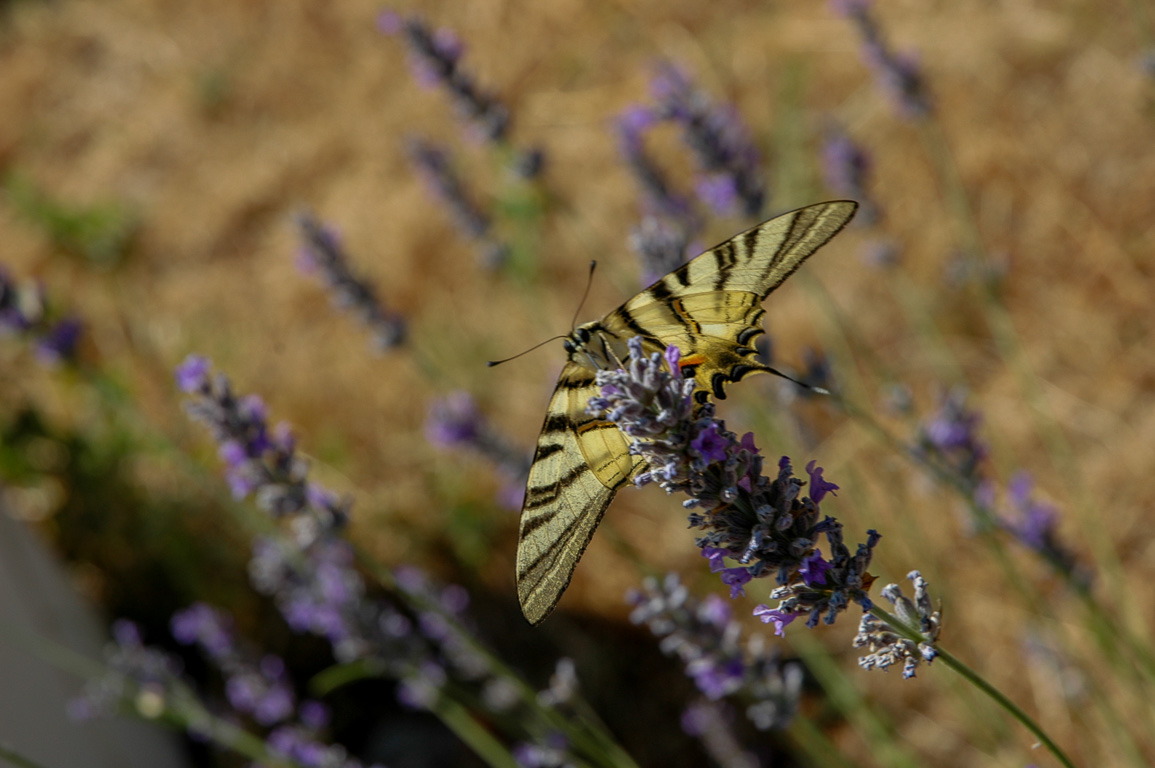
[{"x": 215, "y": 121}]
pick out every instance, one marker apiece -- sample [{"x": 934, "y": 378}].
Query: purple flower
[
  {"x": 707, "y": 640},
  {"x": 434, "y": 57},
  {"x": 734, "y": 578},
  {"x": 204, "y": 625},
  {"x": 727, "y": 157},
  {"x": 780, "y": 619},
  {"x": 1035, "y": 525},
  {"x": 951, "y": 437},
  {"x": 193, "y": 374},
  {"x": 898, "y": 74},
  {"x": 453, "y": 421},
  {"x": 813, "y": 569},
  {"x": 59, "y": 343},
  {"x": 709, "y": 445},
  {"x": 322, "y": 254},
  {"x": 819, "y": 487},
  {"x": 434, "y": 167},
  {"x": 764, "y": 524},
  {"x": 846, "y": 167}
]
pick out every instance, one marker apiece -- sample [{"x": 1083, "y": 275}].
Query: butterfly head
[{"x": 592, "y": 345}]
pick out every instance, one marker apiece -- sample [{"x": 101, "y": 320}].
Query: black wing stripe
[
  {"x": 630, "y": 322},
  {"x": 545, "y": 450}
]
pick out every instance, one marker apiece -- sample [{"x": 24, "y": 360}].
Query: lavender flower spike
[
  {"x": 765, "y": 525},
  {"x": 258, "y": 460},
  {"x": 898, "y": 73},
  {"x": 323, "y": 254},
  {"x": 728, "y": 158},
  {"x": 886, "y": 646},
  {"x": 433, "y": 165},
  {"x": 704, "y": 635},
  {"x": 435, "y": 58}
]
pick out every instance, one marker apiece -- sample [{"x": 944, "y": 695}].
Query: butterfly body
[{"x": 711, "y": 309}]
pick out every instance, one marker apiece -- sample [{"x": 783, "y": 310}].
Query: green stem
[
  {"x": 471, "y": 732},
  {"x": 912, "y": 634},
  {"x": 17, "y": 759}
]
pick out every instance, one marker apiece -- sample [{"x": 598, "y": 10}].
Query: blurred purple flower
[
  {"x": 59, "y": 342},
  {"x": 24, "y": 311},
  {"x": 707, "y": 640},
  {"x": 898, "y": 74},
  {"x": 322, "y": 254},
  {"x": 951, "y": 436},
  {"x": 727, "y": 157},
  {"x": 1035, "y": 525},
  {"x": 434, "y": 57},
  {"x": 205, "y": 626},
  {"x": 847, "y": 167},
  {"x": 434, "y": 167},
  {"x": 455, "y": 421}
]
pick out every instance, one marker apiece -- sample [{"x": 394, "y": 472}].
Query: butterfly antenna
[
  {"x": 585, "y": 295},
  {"x": 491, "y": 363},
  {"x": 803, "y": 384},
  {"x": 573, "y": 323}
]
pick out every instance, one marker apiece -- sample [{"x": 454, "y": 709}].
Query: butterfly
[{"x": 711, "y": 308}]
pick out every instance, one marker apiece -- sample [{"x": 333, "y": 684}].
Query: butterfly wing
[
  {"x": 711, "y": 307},
  {"x": 579, "y": 465}
]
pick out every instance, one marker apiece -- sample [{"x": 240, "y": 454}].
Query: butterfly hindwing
[
  {"x": 579, "y": 465},
  {"x": 711, "y": 308}
]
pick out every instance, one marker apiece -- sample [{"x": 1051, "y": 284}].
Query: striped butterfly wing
[
  {"x": 711, "y": 307},
  {"x": 579, "y": 465}
]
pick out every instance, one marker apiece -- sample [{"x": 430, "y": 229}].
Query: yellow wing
[
  {"x": 711, "y": 308},
  {"x": 579, "y": 465}
]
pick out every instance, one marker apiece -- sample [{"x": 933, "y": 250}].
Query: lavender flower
[
  {"x": 434, "y": 166},
  {"x": 728, "y": 158},
  {"x": 322, "y": 253},
  {"x": 455, "y": 421},
  {"x": 897, "y": 73},
  {"x": 24, "y": 311},
  {"x": 435, "y": 58},
  {"x": 657, "y": 192},
  {"x": 886, "y": 646},
  {"x": 847, "y": 167},
  {"x": 709, "y": 642},
  {"x": 312, "y": 579},
  {"x": 1035, "y": 526},
  {"x": 950, "y": 441},
  {"x": 762, "y": 524},
  {"x": 136, "y": 673},
  {"x": 951, "y": 437},
  {"x": 258, "y": 460}
]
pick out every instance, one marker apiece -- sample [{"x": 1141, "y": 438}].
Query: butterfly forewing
[{"x": 711, "y": 308}]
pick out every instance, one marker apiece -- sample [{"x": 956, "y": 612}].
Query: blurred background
[{"x": 153, "y": 156}]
